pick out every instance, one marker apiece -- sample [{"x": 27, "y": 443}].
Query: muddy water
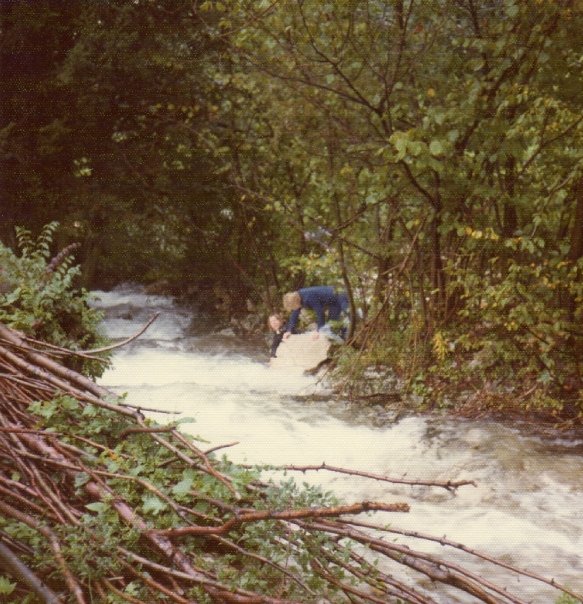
[{"x": 527, "y": 507}]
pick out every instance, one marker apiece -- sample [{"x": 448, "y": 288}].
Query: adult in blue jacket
[{"x": 319, "y": 299}]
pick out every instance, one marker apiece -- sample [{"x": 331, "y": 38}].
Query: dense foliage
[
  {"x": 425, "y": 156},
  {"x": 39, "y": 297},
  {"x": 100, "y": 105}
]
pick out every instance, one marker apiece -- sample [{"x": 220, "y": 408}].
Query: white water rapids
[{"x": 527, "y": 508}]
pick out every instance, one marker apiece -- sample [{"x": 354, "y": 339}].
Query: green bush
[{"x": 40, "y": 299}]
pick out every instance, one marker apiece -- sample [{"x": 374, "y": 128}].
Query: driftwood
[{"x": 46, "y": 482}]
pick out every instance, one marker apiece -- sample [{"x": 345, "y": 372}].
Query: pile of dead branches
[{"x": 98, "y": 504}]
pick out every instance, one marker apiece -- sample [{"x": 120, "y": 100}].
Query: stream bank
[{"x": 464, "y": 390}]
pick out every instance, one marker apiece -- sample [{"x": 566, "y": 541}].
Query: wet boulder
[{"x": 301, "y": 351}]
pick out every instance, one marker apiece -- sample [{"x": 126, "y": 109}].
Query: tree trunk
[
  {"x": 510, "y": 216},
  {"x": 90, "y": 260},
  {"x": 384, "y": 263},
  {"x": 573, "y": 341},
  {"x": 437, "y": 271},
  {"x": 576, "y": 248}
]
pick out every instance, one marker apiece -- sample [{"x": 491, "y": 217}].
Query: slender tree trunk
[
  {"x": 422, "y": 295},
  {"x": 384, "y": 263},
  {"x": 509, "y": 214},
  {"x": 341, "y": 253},
  {"x": 90, "y": 260},
  {"x": 572, "y": 343},
  {"x": 7, "y": 235},
  {"x": 576, "y": 246},
  {"x": 300, "y": 280},
  {"x": 437, "y": 270},
  {"x": 510, "y": 220},
  {"x": 345, "y": 279}
]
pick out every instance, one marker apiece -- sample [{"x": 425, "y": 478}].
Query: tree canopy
[{"x": 426, "y": 157}]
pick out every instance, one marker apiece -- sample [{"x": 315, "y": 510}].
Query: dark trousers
[{"x": 339, "y": 306}]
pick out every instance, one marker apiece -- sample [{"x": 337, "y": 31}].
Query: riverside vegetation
[{"x": 101, "y": 505}]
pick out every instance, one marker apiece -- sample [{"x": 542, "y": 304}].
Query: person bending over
[{"x": 319, "y": 299}]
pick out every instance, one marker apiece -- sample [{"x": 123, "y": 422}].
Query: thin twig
[
  {"x": 449, "y": 485},
  {"x": 127, "y": 340}
]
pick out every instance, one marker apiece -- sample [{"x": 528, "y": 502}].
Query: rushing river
[{"x": 527, "y": 507}]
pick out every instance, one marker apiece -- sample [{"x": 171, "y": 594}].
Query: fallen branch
[
  {"x": 129, "y": 431},
  {"x": 450, "y": 485},
  {"x": 460, "y": 546},
  {"x": 127, "y": 340},
  {"x": 20, "y": 571},
  {"x": 213, "y": 449},
  {"x": 356, "y": 508}
]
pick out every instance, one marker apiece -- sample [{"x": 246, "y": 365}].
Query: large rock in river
[{"x": 301, "y": 351}]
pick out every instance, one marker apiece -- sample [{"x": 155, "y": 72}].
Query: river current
[{"x": 526, "y": 509}]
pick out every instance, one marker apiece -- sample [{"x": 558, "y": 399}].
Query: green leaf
[
  {"x": 439, "y": 118},
  {"x": 477, "y": 64},
  {"x": 69, "y": 403},
  {"x": 81, "y": 479},
  {"x": 399, "y": 141},
  {"x": 6, "y": 587},
  {"x": 183, "y": 488},
  {"x": 44, "y": 409},
  {"x": 416, "y": 147},
  {"x": 512, "y": 10},
  {"x": 12, "y": 296},
  {"x": 435, "y": 148},
  {"x": 153, "y": 505},
  {"x": 89, "y": 411},
  {"x": 97, "y": 506}
]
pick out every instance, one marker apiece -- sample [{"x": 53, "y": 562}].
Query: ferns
[
  {"x": 39, "y": 248},
  {"x": 39, "y": 298}
]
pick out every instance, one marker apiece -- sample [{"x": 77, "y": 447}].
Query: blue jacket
[{"x": 318, "y": 298}]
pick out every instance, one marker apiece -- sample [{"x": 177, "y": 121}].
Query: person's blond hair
[
  {"x": 277, "y": 316},
  {"x": 292, "y": 301}
]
